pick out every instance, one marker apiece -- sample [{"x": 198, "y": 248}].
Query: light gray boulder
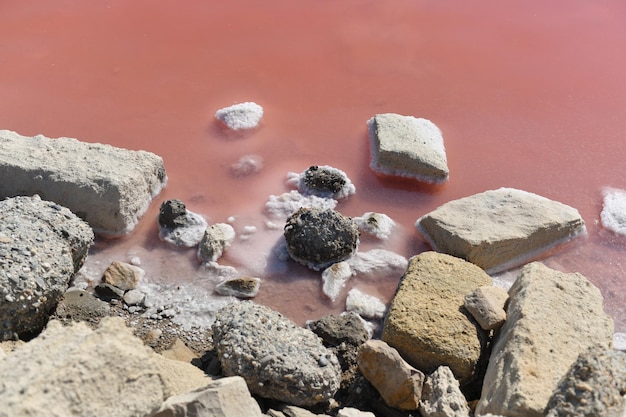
[
  {"x": 225, "y": 397},
  {"x": 427, "y": 322},
  {"x": 277, "y": 358},
  {"x": 407, "y": 146},
  {"x": 442, "y": 397},
  {"x": 399, "y": 384},
  {"x": 42, "y": 245},
  {"x": 486, "y": 304},
  {"x": 595, "y": 385},
  {"x": 499, "y": 229},
  {"x": 109, "y": 187},
  {"x": 552, "y": 317}
]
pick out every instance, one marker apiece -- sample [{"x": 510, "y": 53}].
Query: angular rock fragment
[
  {"x": 179, "y": 226},
  {"x": 398, "y": 383},
  {"x": 427, "y": 322},
  {"x": 595, "y": 385},
  {"x": 42, "y": 245},
  {"x": 277, "y": 358},
  {"x": 215, "y": 240},
  {"x": 442, "y": 397},
  {"x": 242, "y": 287},
  {"x": 346, "y": 328},
  {"x": 240, "y": 116},
  {"x": 122, "y": 275},
  {"x": 323, "y": 181},
  {"x": 109, "y": 187},
  {"x": 486, "y": 304},
  {"x": 225, "y": 397},
  {"x": 407, "y": 146},
  {"x": 319, "y": 238},
  {"x": 499, "y": 229},
  {"x": 552, "y": 317}
]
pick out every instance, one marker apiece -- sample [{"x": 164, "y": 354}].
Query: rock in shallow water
[
  {"x": 240, "y": 116},
  {"x": 179, "y": 226},
  {"x": 277, "y": 358},
  {"x": 319, "y": 238},
  {"x": 323, "y": 181},
  {"x": 499, "y": 229}
]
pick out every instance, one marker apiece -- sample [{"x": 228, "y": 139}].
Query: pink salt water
[{"x": 528, "y": 96}]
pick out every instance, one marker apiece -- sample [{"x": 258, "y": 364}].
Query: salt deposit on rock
[
  {"x": 277, "y": 358},
  {"x": 613, "y": 215},
  {"x": 552, "y": 317},
  {"x": 499, "y": 229},
  {"x": 365, "y": 305},
  {"x": 110, "y": 188},
  {"x": 407, "y": 146},
  {"x": 334, "y": 279},
  {"x": 376, "y": 263},
  {"x": 42, "y": 245},
  {"x": 240, "y": 116},
  {"x": 215, "y": 240},
  {"x": 376, "y": 224},
  {"x": 179, "y": 226},
  {"x": 619, "y": 341},
  {"x": 284, "y": 205},
  {"x": 318, "y": 238},
  {"x": 322, "y": 181}
]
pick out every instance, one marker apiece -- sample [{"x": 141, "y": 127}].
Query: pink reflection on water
[{"x": 527, "y": 96}]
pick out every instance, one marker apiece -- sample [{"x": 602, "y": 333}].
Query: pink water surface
[{"x": 529, "y": 95}]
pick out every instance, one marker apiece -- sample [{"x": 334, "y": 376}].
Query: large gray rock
[
  {"x": 407, "y": 146},
  {"x": 108, "y": 187},
  {"x": 499, "y": 229},
  {"x": 552, "y": 317},
  {"x": 595, "y": 385},
  {"x": 319, "y": 238},
  {"x": 225, "y": 397},
  {"x": 442, "y": 397},
  {"x": 42, "y": 245},
  {"x": 399, "y": 384},
  {"x": 277, "y": 358},
  {"x": 427, "y": 322}
]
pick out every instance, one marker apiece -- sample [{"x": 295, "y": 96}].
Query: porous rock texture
[
  {"x": 215, "y": 240},
  {"x": 595, "y": 385},
  {"x": 42, "y": 245},
  {"x": 323, "y": 181},
  {"x": 442, "y": 397},
  {"x": 552, "y": 317},
  {"x": 427, "y": 322},
  {"x": 108, "y": 187},
  {"x": 499, "y": 229},
  {"x": 319, "y": 238},
  {"x": 407, "y": 146},
  {"x": 277, "y": 358}
]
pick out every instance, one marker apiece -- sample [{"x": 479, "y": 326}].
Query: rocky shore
[{"x": 450, "y": 342}]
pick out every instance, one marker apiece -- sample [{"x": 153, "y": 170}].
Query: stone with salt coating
[
  {"x": 277, "y": 358},
  {"x": 500, "y": 229},
  {"x": 240, "y": 116},
  {"x": 407, "y": 146}
]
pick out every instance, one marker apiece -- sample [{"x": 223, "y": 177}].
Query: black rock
[
  {"x": 324, "y": 180},
  {"x": 172, "y": 214},
  {"x": 319, "y": 238}
]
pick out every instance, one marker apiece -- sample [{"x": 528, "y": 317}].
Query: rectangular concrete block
[{"x": 109, "y": 187}]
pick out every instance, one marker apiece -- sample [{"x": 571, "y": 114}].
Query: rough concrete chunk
[
  {"x": 499, "y": 229},
  {"x": 552, "y": 317},
  {"x": 441, "y": 396},
  {"x": 407, "y": 146},
  {"x": 398, "y": 383},
  {"x": 486, "y": 304},
  {"x": 226, "y": 397},
  {"x": 108, "y": 187},
  {"x": 427, "y": 322}
]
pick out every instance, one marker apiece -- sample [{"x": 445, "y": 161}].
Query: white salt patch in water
[
  {"x": 240, "y": 116},
  {"x": 334, "y": 279},
  {"x": 247, "y": 165},
  {"x": 377, "y": 262},
  {"x": 365, "y": 305},
  {"x": 376, "y": 224},
  {"x": 613, "y": 215},
  {"x": 619, "y": 341},
  {"x": 284, "y": 205}
]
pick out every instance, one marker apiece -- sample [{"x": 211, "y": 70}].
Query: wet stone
[
  {"x": 319, "y": 238},
  {"x": 179, "y": 226}
]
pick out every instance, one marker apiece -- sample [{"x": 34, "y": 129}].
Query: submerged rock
[
  {"x": 499, "y": 229},
  {"x": 552, "y": 317},
  {"x": 277, "y": 358},
  {"x": 179, "y": 226},
  {"x": 319, "y": 238},
  {"x": 323, "y": 181},
  {"x": 407, "y": 146},
  {"x": 240, "y": 116}
]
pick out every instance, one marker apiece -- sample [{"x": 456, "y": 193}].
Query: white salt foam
[
  {"x": 613, "y": 215},
  {"x": 240, "y": 116}
]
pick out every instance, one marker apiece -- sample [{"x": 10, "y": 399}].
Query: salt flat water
[{"x": 529, "y": 95}]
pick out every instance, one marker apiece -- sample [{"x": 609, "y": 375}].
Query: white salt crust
[
  {"x": 613, "y": 215},
  {"x": 240, "y": 116}
]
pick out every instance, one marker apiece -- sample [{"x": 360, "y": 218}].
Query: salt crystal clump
[
  {"x": 246, "y": 165},
  {"x": 284, "y": 205},
  {"x": 240, "y": 116},
  {"x": 365, "y": 305},
  {"x": 322, "y": 181},
  {"x": 334, "y": 279},
  {"x": 376, "y": 224},
  {"x": 613, "y": 215},
  {"x": 377, "y": 262}
]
